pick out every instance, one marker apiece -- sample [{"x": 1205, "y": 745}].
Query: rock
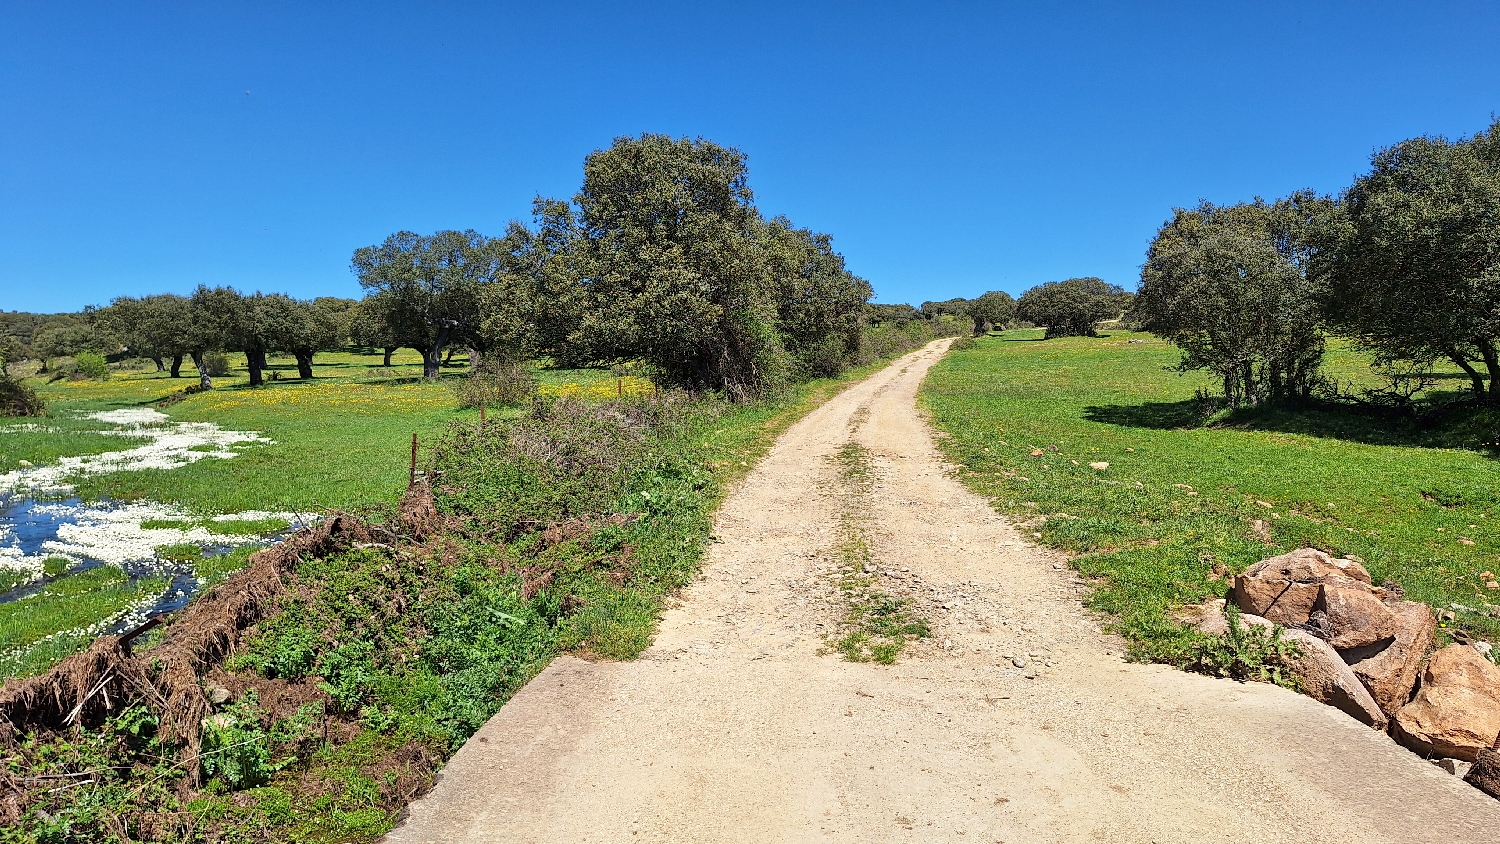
[
  {"x": 1485, "y": 775},
  {"x": 1100, "y": 466},
  {"x": 1324, "y": 676},
  {"x": 1307, "y": 565},
  {"x": 1390, "y": 671},
  {"x": 1019, "y": 662},
  {"x": 1321, "y": 673},
  {"x": 1207, "y": 617},
  {"x": 1456, "y": 711},
  {"x": 1356, "y": 618},
  {"x": 1281, "y": 601},
  {"x": 218, "y": 695}
]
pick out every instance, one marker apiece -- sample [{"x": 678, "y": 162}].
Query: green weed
[
  {"x": 875, "y": 625},
  {"x": 1245, "y": 652}
]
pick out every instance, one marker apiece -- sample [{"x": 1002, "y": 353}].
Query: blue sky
[{"x": 949, "y": 148}]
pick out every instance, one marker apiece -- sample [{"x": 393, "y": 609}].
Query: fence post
[
  {"x": 481, "y": 417},
  {"x": 412, "y": 479}
]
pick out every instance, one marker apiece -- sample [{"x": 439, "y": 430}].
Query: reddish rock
[
  {"x": 1324, "y": 676},
  {"x": 1281, "y": 601},
  {"x": 1390, "y": 671},
  {"x": 1356, "y": 617},
  {"x": 1321, "y": 673},
  {"x": 1307, "y": 565},
  {"x": 1456, "y": 711}
]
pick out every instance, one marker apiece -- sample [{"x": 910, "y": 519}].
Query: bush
[
  {"x": 17, "y": 398},
  {"x": 91, "y": 366},
  {"x": 565, "y": 458},
  {"x": 491, "y": 384},
  {"x": 216, "y": 364}
]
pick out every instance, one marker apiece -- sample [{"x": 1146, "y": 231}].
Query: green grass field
[
  {"x": 339, "y": 441},
  {"x": 1181, "y": 492}
]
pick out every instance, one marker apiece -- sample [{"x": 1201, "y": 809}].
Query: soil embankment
[{"x": 737, "y": 725}]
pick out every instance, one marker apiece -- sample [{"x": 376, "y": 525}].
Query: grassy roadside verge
[
  {"x": 1181, "y": 497},
  {"x": 566, "y": 529}
]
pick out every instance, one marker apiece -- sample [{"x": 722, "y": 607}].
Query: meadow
[
  {"x": 1193, "y": 494},
  {"x": 340, "y": 441}
]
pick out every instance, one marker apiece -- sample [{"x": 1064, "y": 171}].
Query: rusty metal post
[
  {"x": 620, "y": 387},
  {"x": 481, "y": 417}
]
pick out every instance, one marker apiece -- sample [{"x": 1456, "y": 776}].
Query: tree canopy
[
  {"x": 426, "y": 290},
  {"x": 1228, "y": 285},
  {"x": 995, "y": 308},
  {"x": 1412, "y": 269},
  {"x": 1072, "y": 308},
  {"x": 666, "y": 242}
]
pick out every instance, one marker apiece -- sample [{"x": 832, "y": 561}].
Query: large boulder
[
  {"x": 1281, "y": 601},
  {"x": 1324, "y": 676},
  {"x": 1287, "y": 589},
  {"x": 1356, "y": 617},
  {"x": 1456, "y": 711},
  {"x": 1390, "y": 671},
  {"x": 1321, "y": 673},
  {"x": 1307, "y": 565}
]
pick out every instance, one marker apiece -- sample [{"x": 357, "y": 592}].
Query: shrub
[
  {"x": 565, "y": 458},
  {"x": 91, "y": 366},
  {"x": 494, "y": 383},
  {"x": 216, "y": 364},
  {"x": 17, "y": 398}
]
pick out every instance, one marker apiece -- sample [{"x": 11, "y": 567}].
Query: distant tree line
[
  {"x": 1405, "y": 262},
  {"x": 661, "y": 258}
]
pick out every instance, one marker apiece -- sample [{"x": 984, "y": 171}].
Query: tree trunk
[
  {"x": 1492, "y": 363},
  {"x": 434, "y": 356},
  {"x": 43, "y": 370},
  {"x": 475, "y": 358},
  {"x": 1474, "y": 376},
  {"x": 204, "y": 381},
  {"x": 389, "y": 350},
  {"x": 160, "y": 367},
  {"x": 304, "y": 364},
  {"x": 255, "y": 362},
  {"x": 176, "y": 366}
]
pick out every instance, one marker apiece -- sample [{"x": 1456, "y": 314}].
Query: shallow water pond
[{"x": 72, "y": 570}]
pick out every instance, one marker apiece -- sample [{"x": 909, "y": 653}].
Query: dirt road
[{"x": 733, "y": 727}]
